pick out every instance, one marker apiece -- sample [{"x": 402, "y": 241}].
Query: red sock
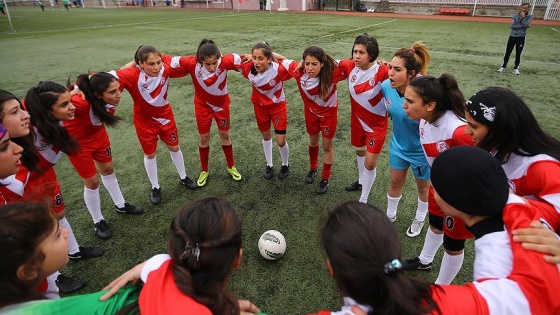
[
  {"x": 313, "y": 157},
  {"x": 228, "y": 152},
  {"x": 204, "y": 152},
  {"x": 326, "y": 174}
]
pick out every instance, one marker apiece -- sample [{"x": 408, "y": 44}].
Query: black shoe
[
  {"x": 129, "y": 209},
  {"x": 155, "y": 196},
  {"x": 87, "y": 252},
  {"x": 268, "y": 172},
  {"x": 310, "y": 176},
  {"x": 415, "y": 264},
  {"x": 323, "y": 187},
  {"x": 188, "y": 183},
  {"x": 284, "y": 172},
  {"x": 353, "y": 186},
  {"x": 67, "y": 285},
  {"x": 102, "y": 229}
]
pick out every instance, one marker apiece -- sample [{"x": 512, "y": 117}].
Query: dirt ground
[{"x": 503, "y": 20}]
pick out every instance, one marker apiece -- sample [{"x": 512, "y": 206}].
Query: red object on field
[{"x": 454, "y": 11}]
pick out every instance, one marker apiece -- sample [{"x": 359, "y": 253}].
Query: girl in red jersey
[
  {"x": 368, "y": 115},
  {"x": 316, "y": 78},
  {"x": 439, "y": 105},
  {"x": 208, "y": 70},
  {"x": 269, "y": 103},
  {"x": 147, "y": 82},
  {"x": 363, "y": 253},
  {"x": 10, "y": 154},
  {"x": 204, "y": 246},
  {"x": 499, "y": 121},
  {"x": 103, "y": 94}
]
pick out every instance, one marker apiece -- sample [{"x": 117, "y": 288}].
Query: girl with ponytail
[
  {"x": 102, "y": 94},
  {"x": 439, "y": 106}
]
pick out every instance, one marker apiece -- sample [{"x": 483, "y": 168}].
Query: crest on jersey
[
  {"x": 162, "y": 81},
  {"x": 511, "y": 186},
  {"x": 371, "y": 82},
  {"x": 144, "y": 87},
  {"x": 422, "y": 133},
  {"x": 441, "y": 146},
  {"x": 200, "y": 73},
  {"x": 354, "y": 78},
  {"x": 304, "y": 83},
  {"x": 272, "y": 82},
  {"x": 488, "y": 112}
]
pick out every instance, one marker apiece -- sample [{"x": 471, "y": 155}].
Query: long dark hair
[
  {"x": 360, "y": 241},
  {"x": 370, "y": 42},
  {"x": 143, "y": 52},
  {"x": 325, "y": 75},
  {"x": 204, "y": 241},
  {"x": 207, "y": 48},
  {"x": 39, "y": 101},
  {"x": 23, "y": 226},
  {"x": 29, "y": 157},
  {"x": 93, "y": 86},
  {"x": 513, "y": 129},
  {"x": 444, "y": 91}
]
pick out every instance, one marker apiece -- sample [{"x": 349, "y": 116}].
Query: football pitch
[{"x": 58, "y": 44}]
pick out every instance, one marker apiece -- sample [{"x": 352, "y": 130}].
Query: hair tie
[
  {"x": 3, "y": 131},
  {"x": 190, "y": 250},
  {"x": 412, "y": 49},
  {"x": 392, "y": 267}
]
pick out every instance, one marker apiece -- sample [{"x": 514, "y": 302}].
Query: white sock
[
  {"x": 73, "y": 246},
  {"x": 284, "y": 153},
  {"x": 432, "y": 242},
  {"x": 93, "y": 203},
  {"x": 450, "y": 266},
  {"x": 179, "y": 162},
  {"x": 367, "y": 182},
  {"x": 52, "y": 288},
  {"x": 361, "y": 167},
  {"x": 267, "y": 148},
  {"x": 421, "y": 211},
  {"x": 151, "y": 169},
  {"x": 112, "y": 185},
  {"x": 392, "y": 205}
]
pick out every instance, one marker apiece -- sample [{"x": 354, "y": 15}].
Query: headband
[
  {"x": 481, "y": 109},
  {"x": 392, "y": 267},
  {"x": 3, "y": 131}
]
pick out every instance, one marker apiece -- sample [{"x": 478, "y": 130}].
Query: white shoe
[
  {"x": 502, "y": 69},
  {"x": 516, "y": 71},
  {"x": 392, "y": 219},
  {"x": 415, "y": 228}
]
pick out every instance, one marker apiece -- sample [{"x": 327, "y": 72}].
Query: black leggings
[{"x": 519, "y": 43}]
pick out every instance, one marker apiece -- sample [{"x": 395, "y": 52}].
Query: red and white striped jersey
[
  {"x": 309, "y": 88},
  {"x": 86, "y": 127},
  {"x": 268, "y": 87},
  {"x": 210, "y": 88},
  {"x": 48, "y": 153},
  {"x": 366, "y": 98},
  {"x": 12, "y": 187},
  {"x": 535, "y": 177},
  {"x": 447, "y": 132}
]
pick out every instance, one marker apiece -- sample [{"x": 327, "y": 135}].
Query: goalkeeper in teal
[
  {"x": 33, "y": 246},
  {"x": 405, "y": 150}
]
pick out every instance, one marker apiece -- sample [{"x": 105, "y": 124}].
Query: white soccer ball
[{"x": 272, "y": 245}]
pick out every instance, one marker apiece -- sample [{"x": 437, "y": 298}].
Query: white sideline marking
[
  {"x": 355, "y": 29},
  {"x": 557, "y": 31}
]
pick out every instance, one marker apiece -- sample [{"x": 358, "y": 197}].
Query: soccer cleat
[
  {"x": 187, "y": 182},
  {"x": 415, "y": 264},
  {"x": 234, "y": 173},
  {"x": 323, "y": 187},
  {"x": 415, "y": 228},
  {"x": 516, "y": 71},
  {"x": 201, "y": 181},
  {"x": 155, "y": 196},
  {"x": 353, "y": 186},
  {"x": 310, "y": 176},
  {"x": 268, "y": 172},
  {"x": 68, "y": 285},
  {"x": 501, "y": 70},
  {"x": 102, "y": 229},
  {"x": 129, "y": 209},
  {"x": 86, "y": 252},
  {"x": 284, "y": 172}
]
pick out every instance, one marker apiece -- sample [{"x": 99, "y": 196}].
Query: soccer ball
[{"x": 272, "y": 245}]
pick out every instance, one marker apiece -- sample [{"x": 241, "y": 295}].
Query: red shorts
[
  {"x": 277, "y": 115},
  {"x": 373, "y": 141},
  {"x": 453, "y": 227},
  {"x": 205, "y": 114},
  {"x": 90, "y": 151},
  {"x": 324, "y": 123},
  {"x": 148, "y": 130},
  {"x": 44, "y": 187}
]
